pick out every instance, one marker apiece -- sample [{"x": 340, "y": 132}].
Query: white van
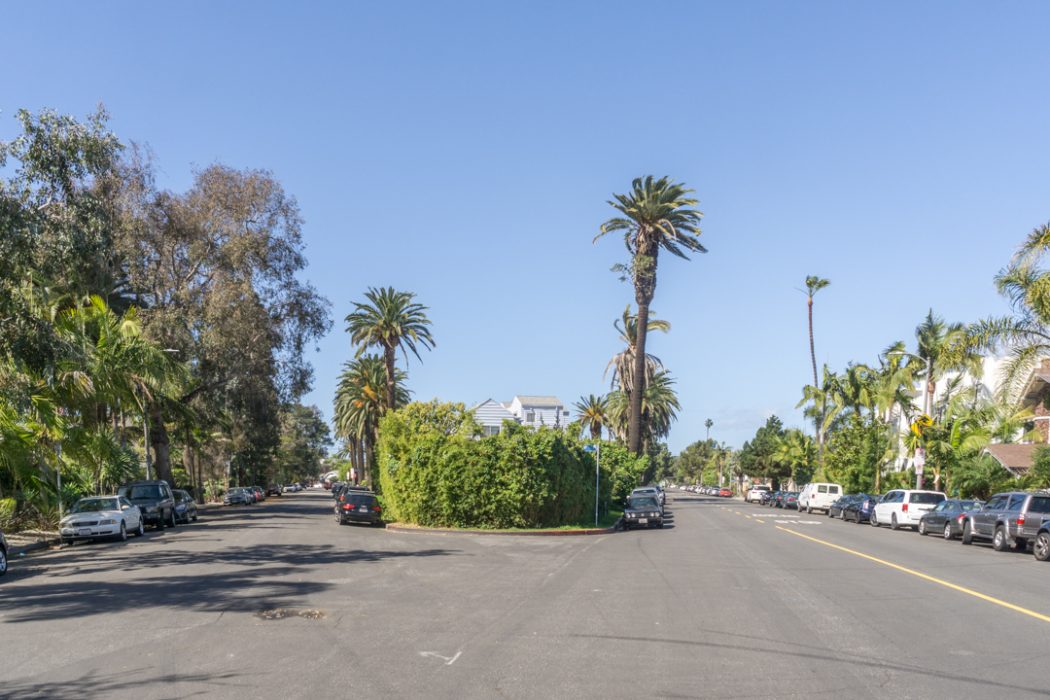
[{"x": 818, "y": 497}]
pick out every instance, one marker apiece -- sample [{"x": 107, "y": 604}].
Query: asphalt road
[{"x": 725, "y": 602}]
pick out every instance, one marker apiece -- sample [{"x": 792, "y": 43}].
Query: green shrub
[
  {"x": 436, "y": 469},
  {"x": 7, "y": 513}
]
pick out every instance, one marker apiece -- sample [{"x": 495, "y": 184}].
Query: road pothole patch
[{"x": 282, "y": 613}]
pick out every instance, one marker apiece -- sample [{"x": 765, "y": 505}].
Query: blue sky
[{"x": 465, "y": 151}]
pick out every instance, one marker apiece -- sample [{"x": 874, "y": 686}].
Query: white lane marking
[
  {"x": 798, "y": 522},
  {"x": 433, "y": 654}
]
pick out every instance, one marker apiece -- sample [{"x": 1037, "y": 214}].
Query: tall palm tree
[
  {"x": 813, "y": 285},
  {"x": 943, "y": 346},
  {"x": 655, "y": 215},
  {"x": 593, "y": 412},
  {"x": 360, "y": 401},
  {"x": 622, "y": 363},
  {"x": 390, "y": 320},
  {"x": 659, "y": 409},
  {"x": 1026, "y": 333},
  {"x": 823, "y": 406},
  {"x": 707, "y": 424}
]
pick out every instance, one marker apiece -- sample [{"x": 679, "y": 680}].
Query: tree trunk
[
  {"x": 812, "y": 349},
  {"x": 388, "y": 358},
  {"x": 634, "y": 425},
  {"x": 596, "y": 430},
  {"x": 158, "y": 437}
]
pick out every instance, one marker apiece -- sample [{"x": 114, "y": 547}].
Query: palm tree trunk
[
  {"x": 596, "y": 430},
  {"x": 388, "y": 358},
  {"x": 634, "y": 425},
  {"x": 812, "y": 349},
  {"x": 158, "y": 437}
]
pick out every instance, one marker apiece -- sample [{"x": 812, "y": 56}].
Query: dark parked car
[
  {"x": 860, "y": 508},
  {"x": 357, "y": 506},
  {"x": 1009, "y": 520},
  {"x": 185, "y": 506},
  {"x": 838, "y": 506},
  {"x": 642, "y": 510},
  {"x": 790, "y": 500},
  {"x": 765, "y": 498},
  {"x": 777, "y": 500},
  {"x": 154, "y": 499},
  {"x": 947, "y": 517},
  {"x": 238, "y": 495},
  {"x": 3, "y": 554},
  {"x": 273, "y": 490}
]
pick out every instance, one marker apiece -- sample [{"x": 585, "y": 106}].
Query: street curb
[
  {"x": 34, "y": 547},
  {"x": 524, "y": 533}
]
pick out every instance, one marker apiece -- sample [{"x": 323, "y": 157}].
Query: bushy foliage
[
  {"x": 855, "y": 453},
  {"x": 436, "y": 469}
]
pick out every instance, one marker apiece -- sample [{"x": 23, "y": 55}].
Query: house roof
[
  {"x": 1035, "y": 388},
  {"x": 540, "y": 401},
  {"x": 1016, "y": 458}
]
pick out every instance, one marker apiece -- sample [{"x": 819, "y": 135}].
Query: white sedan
[{"x": 101, "y": 516}]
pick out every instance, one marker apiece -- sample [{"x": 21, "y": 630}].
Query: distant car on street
[
  {"x": 96, "y": 517},
  {"x": 273, "y": 490},
  {"x": 756, "y": 493},
  {"x": 818, "y": 496},
  {"x": 355, "y": 506},
  {"x": 860, "y": 509},
  {"x": 837, "y": 509},
  {"x": 185, "y": 506},
  {"x": 904, "y": 507},
  {"x": 791, "y": 499},
  {"x": 238, "y": 496},
  {"x": 646, "y": 492},
  {"x": 947, "y": 518},
  {"x": 260, "y": 495},
  {"x": 643, "y": 510}
]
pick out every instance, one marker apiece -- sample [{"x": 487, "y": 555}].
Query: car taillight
[
  {"x": 347, "y": 506},
  {"x": 376, "y": 508},
  {"x": 1020, "y": 520},
  {"x": 961, "y": 517},
  {"x": 867, "y": 502},
  {"x": 904, "y": 508}
]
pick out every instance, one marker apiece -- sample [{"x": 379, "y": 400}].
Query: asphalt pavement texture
[{"x": 729, "y": 600}]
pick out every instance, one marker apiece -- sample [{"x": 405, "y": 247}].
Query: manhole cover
[{"x": 281, "y": 613}]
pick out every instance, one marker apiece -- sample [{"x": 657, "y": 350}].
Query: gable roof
[
  {"x": 540, "y": 401},
  {"x": 1016, "y": 458}
]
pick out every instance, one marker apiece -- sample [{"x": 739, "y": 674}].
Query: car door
[
  {"x": 1038, "y": 512},
  {"x": 984, "y": 520},
  {"x": 935, "y": 518},
  {"x": 133, "y": 516},
  {"x": 886, "y": 507}
]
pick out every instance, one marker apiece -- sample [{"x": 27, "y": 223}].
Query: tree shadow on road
[
  {"x": 96, "y": 685},
  {"x": 263, "y": 578}
]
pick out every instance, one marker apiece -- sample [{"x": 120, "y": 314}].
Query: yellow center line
[
  {"x": 927, "y": 577},
  {"x": 760, "y": 521},
  {"x": 748, "y": 517}
]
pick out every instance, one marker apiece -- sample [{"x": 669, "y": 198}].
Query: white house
[
  {"x": 491, "y": 415},
  {"x": 531, "y": 411}
]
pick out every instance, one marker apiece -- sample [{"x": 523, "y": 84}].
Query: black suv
[
  {"x": 1009, "y": 520},
  {"x": 355, "y": 505},
  {"x": 154, "y": 499}
]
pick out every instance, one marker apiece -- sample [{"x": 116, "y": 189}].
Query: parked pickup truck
[{"x": 1009, "y": 520}]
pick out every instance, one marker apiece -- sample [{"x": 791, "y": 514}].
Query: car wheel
[
  {"x": 809, "y": 511},
  {"x": 948, "y": 531},
  {"x": 141, "y": 529},
  {"x": 660, "y": 524},
  {"x": 893, "y": 522},
  {"x": 873, "y": 519},
  {"x": 967, "y": 533},
  {"x": 173, "y": 520},
  {"x": 159, "y": 525},
  {"x": 123, "y": 536},
  {"x": 999, "y": 542},
  {"x": 1041, "y": 548},
  {"x": 922, "y": 528}
]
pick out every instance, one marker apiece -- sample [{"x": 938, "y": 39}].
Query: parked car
[
  {"x": 756, "y": 493},
  {"x": 837, "y": 509},
  {"x": 1040, "y": 547},
  {"x": 185, "y": 506},
  {"x": 947, "y": 517},
  {"x": 154, "y": 499},
  {"x": 260, "y": 494},
  {"x": 96, "y": 517},
  {"x": 238, "y": 495},
  {"x": 791, "y": 499},
  {"x": 776, "y": 499},
  {"x": 767, "y": 496},
  {"x": 293, "y": 488},
  {"x": 1009, "y": 520},
  {"x": 3, "y": 553},
  {"x": 273, "y": 490},
  {"x": 904, "y": 507},
  {"x": 818, "y": 496},
  {"x": 645, "y": 492},
  {"x": 643, "y": 510},
  {"x": 724, "y": 492},
  {"x": 860, "y": 509},
  {"x": 355, "y": 506}
]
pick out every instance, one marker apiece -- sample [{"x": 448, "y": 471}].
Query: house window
[
  {"x": 530, "y": 417},
  {"x": 492, "y": 429}
]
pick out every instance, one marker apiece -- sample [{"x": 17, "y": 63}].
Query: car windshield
[
  {"x": 94, "y": 505},
  {"x": 643, "y": 503},
  {"x": 969, "y": 505},
  {"x": 145, "y": 491},
  {"x": 926, "y": 498}
]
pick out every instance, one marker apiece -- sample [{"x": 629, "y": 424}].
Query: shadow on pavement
[
  {"x": 264, "y": 581},
  {"x": 94, "y": 685}
]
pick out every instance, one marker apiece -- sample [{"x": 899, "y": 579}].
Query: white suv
[
  {"x": 755, "y": 494},
  {"x": 901, "y": 507},
  {"x": 818, "y": 497}
]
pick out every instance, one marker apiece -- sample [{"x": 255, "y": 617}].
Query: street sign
[{"x": 590, "y": 448}]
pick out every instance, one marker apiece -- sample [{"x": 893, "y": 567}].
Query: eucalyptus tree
[
  {"x": 390, "y": 320},
  {"x": 655, "y": 215},
  {"x": 593, "y": 413}
]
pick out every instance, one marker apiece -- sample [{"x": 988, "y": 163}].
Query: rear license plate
[
  {"x": 363, "y": 509},
  {"x": 643, "y": 521}
]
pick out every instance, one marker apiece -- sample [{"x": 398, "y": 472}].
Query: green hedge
[{"x": 437, "y": 470}]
